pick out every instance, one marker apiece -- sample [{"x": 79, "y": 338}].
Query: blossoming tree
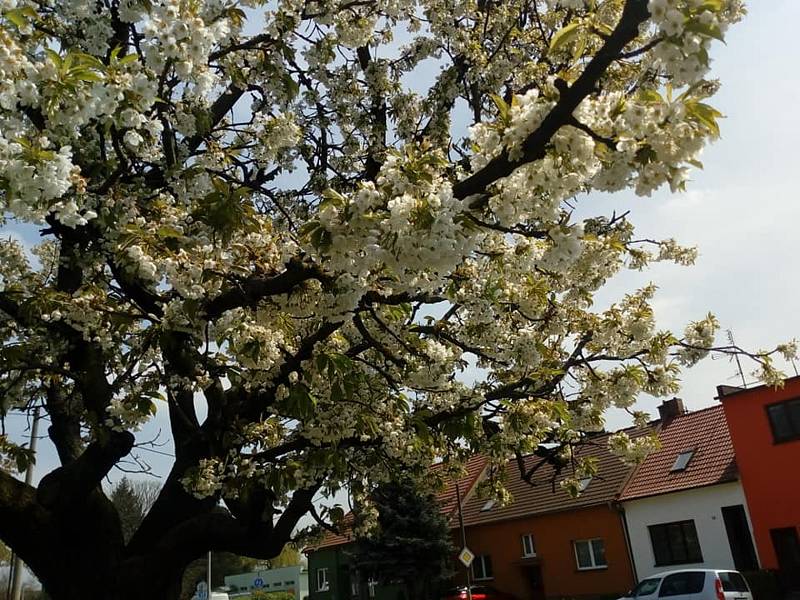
[{"x": 260, "y": 207}]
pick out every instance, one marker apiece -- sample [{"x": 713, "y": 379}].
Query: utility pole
[
  {"x": 208, "y": 575},
  {"x": 16, "y": 576}
]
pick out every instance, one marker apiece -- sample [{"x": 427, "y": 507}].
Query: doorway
[
  {"x": 535, "y": 583},
  {"x": 739, "y": 538},
  {"x": 787, "y": 549}
]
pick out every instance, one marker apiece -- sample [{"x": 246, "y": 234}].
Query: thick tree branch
[
  {"x": 377, "y": 113},
  {"x": 21, "y": 514},
  {"x": 65, "y": 428},
  {"x": 534, "y": 147},
  {"x": 249, "y": 292},
  {"x": 67, "y": 486},
  {"x": 217, "y": 112}
]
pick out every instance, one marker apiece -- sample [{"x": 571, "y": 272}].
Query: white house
[
  {"x": 684, "y": 506},
  {"x": 284, "y": 579}
]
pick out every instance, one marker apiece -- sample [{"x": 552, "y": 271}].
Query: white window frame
[
  {"x": 482, "y": 560},
  {"x": 594, "y": 566},
  {"x": 355, "y": 590},
  {"x": 527, "y": 543},
  {"x": 371, "y": 585},
  {"x": 325, "y": 584}
]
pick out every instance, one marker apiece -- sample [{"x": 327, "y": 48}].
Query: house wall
[
  {"x": 703, "y": 505},
  {"x": 294, "y": 579},
  {"x": 338, "y": 578},
  {"x": 553, "y": 536},
  {"x": 768, "y": 470},
  {"x": 337, "y": 560}
]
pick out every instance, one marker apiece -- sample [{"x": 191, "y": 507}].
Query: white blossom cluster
[
  {"x": 206, "y": 479},
  {"x": 687, "y": 28},
  {"x": 632, "y": 450},
  {"x": 183, "y": 34},
  {"x": 275, "y": 221}
]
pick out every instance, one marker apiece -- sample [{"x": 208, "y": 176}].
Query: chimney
[{"x": 670, "y": 409}]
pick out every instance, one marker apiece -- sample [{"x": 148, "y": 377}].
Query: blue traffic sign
[{"x": 259, "y": 583}]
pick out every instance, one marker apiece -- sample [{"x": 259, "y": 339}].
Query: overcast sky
[{"x": 741, "y": 211}]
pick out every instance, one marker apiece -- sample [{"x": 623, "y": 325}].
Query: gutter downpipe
[{"x": 624, "y": 520}]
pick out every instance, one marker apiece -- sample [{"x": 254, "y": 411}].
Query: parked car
[
  {"x": 479, "y": 592},
  {"x": 692, "y": 584}
]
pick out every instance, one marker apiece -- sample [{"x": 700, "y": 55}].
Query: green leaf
[
  {"x": 54, "y": 57},
  {"x": 565, "y": 35},
  {"x": 321, "y": 238},
  {"x": 301, "y": 402},
  {"x": 711, "y": 31},
  {"x": 22, "y": 462},
  {"x": 333, "y": 198},
  {"x": 309, "y": 226},
  {"x": 580, "y": 46},
  {"x": 167, "y": 231},
  {"x": 712, "y": 5},
  {"x": 19, "y": 16},
  {"x": 128, "y": 58},
  {"x": 503, "y": 110},
  {"x": 650, "y": 96},
  {"x": 704, "y": 114}
]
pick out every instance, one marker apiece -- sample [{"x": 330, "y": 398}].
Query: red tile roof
[
  {"x": 704, "y": 431},
  {"x": 546, "y": 494},
  {"x": 331, "y": 539},
  {"x": 446, "y": 498}
]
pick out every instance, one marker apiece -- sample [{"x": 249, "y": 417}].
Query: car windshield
[
  {"x": 732, "y": 581},
  {"x": 646, "y": 587}
]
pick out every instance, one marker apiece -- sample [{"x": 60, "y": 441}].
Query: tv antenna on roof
[{"x": 735, "y": 356}]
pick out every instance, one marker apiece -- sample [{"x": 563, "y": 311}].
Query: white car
[{"x": 692, "y": 584}]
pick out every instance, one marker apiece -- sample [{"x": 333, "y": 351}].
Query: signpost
[
  {"x": 466, "y": 557},
  {"x": 201, "y": 592}
]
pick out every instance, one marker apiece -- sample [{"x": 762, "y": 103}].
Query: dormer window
[{"x": 682, "y": 461}]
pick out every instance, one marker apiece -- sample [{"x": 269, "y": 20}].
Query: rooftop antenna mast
[{"x": 729, "y": 333}]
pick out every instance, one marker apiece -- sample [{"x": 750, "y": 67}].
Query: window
[
  {"x": 584, "y": 483},
  {"x": 679, "y": 584},
  {"x": 732, "y": 581},
  {"x": 784, "y": 419},
  {"x": 354, "y": 587},
  {"x": 322, "y": 580},
  {"x": 488, "y": 506},
  {"x": 682, "y": 461},
  {"x": 646, "y": 587},
  {"x": 590, "y": 554},
  {"x": 371, "y": 584},
  {"x": 675, "y": 543},
  {"x": 482, "y": 567},
  {"x": 528, "y": 549}
]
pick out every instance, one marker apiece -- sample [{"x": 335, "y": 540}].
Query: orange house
[
  {"x": 765, "y": 429},
  {"x": 546, "y": 544}
]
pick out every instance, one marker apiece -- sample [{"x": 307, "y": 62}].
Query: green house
[{"x": 330, "y": 577}]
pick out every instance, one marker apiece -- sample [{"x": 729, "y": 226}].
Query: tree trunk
[{"x": 63, "y": 584}]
